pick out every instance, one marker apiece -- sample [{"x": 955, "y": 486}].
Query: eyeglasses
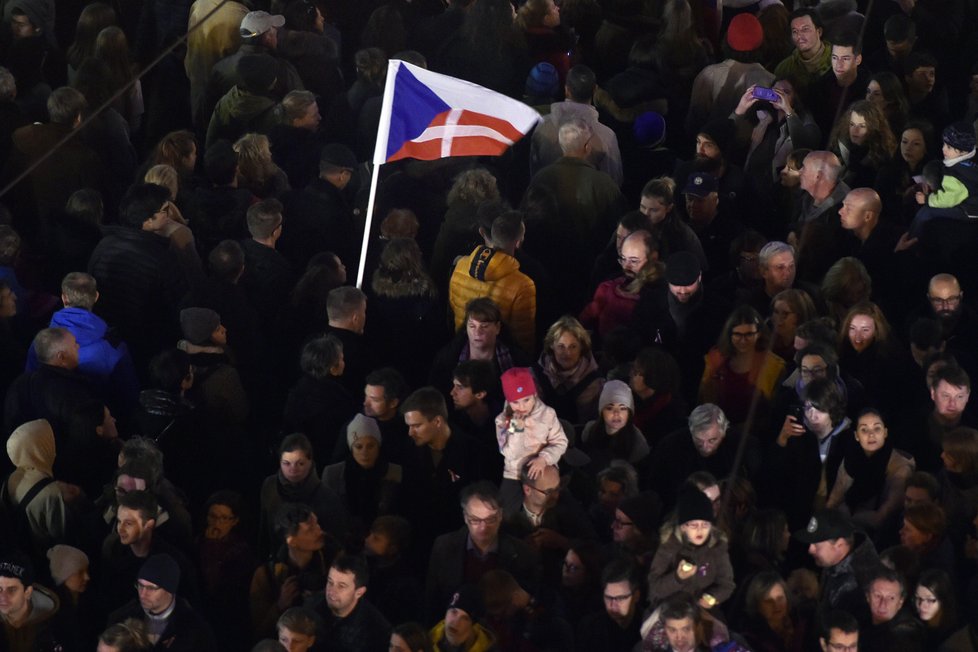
[
  {"x": 553, "y": 491},
  {"x": 618, "y": 599},
  {"x": 148, "y": 588},
  {"x": 490, "y": 520},
  {"x": 631, "y": 261},
  {"x": 740, "y": 335},
  {"x": 812, "y": 372},
  {"x": 839, "y": 647},
  {"x": 945, "y": 301}
]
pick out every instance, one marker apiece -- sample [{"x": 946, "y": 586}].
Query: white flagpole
[
  {"x": 380, "y": 155},
  {"x": 366, "y": 226}
]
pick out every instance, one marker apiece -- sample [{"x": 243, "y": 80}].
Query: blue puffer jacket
[
  {"x": 96, "y": 357},
  {"x": 111, "y": 367}
]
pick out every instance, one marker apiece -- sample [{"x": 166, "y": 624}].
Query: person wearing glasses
[
  {"x": 465, "y": 555},
  {"x": 805, "y": 456},
  {"x": 840, "y": 633},
  {"x": 546, "y": 522},
  {"x": 936, "y": 605},
  {"x": 945, "y": 301},
  {"x": 171, "y": 623},
  {"x": 740, "y": 367},
  {"x": 616, "y": 627}
]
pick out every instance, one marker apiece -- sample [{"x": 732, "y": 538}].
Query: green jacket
[{"x": 792, "y": 66}]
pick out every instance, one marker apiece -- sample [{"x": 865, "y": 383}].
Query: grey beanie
[
  {"x": 617, "y": 392},
  {"x": 65, "y": 561},
  {"x": 362, "y": 426}
]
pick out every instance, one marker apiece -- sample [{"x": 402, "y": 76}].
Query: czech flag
[{"x": 429, "y": 116}]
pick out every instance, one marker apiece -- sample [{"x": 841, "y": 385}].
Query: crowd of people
[{"x": 687, "y": 368}]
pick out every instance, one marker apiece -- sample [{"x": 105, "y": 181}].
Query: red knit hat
[
  {"x": 518, "y": 383},
  {"x": 745, "y": 33}
]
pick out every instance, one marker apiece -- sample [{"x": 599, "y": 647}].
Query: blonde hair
[
  {"x": 255, "y": 158},
  {"x": 166, "y": 176}
]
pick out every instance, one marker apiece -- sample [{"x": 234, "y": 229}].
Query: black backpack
[{"x": 15, "y": 528}]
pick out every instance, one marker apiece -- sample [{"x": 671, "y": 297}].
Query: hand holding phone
[{"x": 765, "y": 93}]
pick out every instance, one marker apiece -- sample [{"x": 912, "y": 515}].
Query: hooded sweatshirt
[
  {"x": 37, "y": 633},
  {"x": 31, "y": 449}
]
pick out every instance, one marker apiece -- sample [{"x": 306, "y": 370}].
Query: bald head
[
  {"x": 860, "y": 212},
  {"x": 944, "y": 293}
]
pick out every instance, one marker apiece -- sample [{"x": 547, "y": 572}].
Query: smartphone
[
  {"x": 764, "y": 93},
  {"x": 798, "y": 412}
]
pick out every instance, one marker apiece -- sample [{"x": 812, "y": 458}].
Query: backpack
[{"x": 13, "y": 518}]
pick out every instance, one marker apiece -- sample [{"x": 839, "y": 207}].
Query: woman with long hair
[
  {"x": 868, "y": 352},
  {"x": 771, "y": 623},
  {"x": 112, "y": 47},
  {"x": 613, "y": 434},
  {"x": 886, "y": 92},
  {"x": 897, "y": 182},
  {"x": 740, "y": 366},
  {"x": 256, "y": 170},
  {"x": 936, "y": 605},
  {"x": 93, "y": 19},
  {"x": 864, "y": 142},
  {"x": 404, "y": 308}
]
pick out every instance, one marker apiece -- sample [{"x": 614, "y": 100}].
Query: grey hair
[
  {"x": 704, "y": 416},
  {"x": 573, "y": 135},
  {"x": 772, "y": 249}
]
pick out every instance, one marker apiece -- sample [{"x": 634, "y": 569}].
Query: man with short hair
[
  {"x": 134, "y": 540},
  {"x": 465, "y": 555},
  {"x": 460, "y": 630},
  {"x": 480, "y": 340},
  {"x": 443, "y": 461},
  {"x": 346, "y": 310},
  {"x": 873, "y": 242},
  {"x": 139, "y": 275},
  {"x": 348, "y": 621},
  {"x": 546, "y": 522},
  {"x": 681, "y": 619},
  {"x": 588, "y": 204},
  {"x": 847, "y": 559},
  {"x": 818, "y": 233},
  {"x": 28, "y": 611},
  {"x": 616, "y": 627},
  {"x": 958, "y": 320},
  {"x": 922, "y": 487},
  {"x": 83, "y": 426},
  {"x": 950, "y": 392},
  {"x": 268, "y": 277},
  {"x": 171, "y": 623},
  {"x": 475, "y": 391},
  {"x": 811, "y": 57},
  {"x": 890, "y": 627},
  {"x": 48, "y": 186},
  {"x": 383, "y": 391},
  {"x": 703, "y": 445},
  {"x": 299, "y": 563},
  {"x": 249, "y": 105},
  {"x": 578, "y": 104},
  {"x": 778, "y": 266},
  {"x": 928, "y": 101},
  {"x": 842, "y": 85},
  {"x": 107, "y": 363},
  {"x": 840, "y": 632},
  {"x": 899, "y": 34},
  {"x": 493, "y": 271}
]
